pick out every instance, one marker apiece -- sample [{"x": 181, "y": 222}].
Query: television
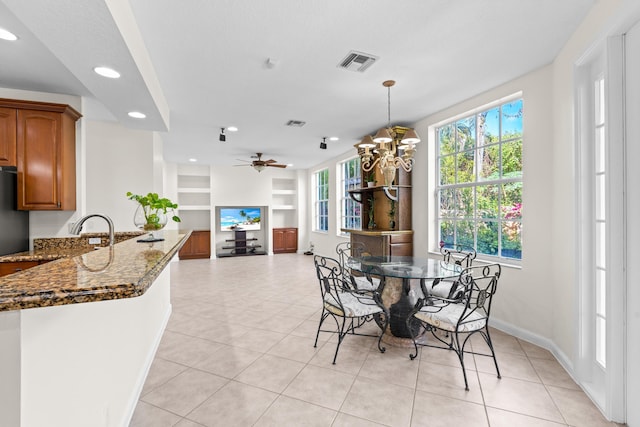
[{"x": 240, "y": 218}]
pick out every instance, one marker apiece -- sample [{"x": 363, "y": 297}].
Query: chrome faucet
[{"x": 78, "y": 226}]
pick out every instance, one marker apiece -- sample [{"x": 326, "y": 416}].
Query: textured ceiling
[{"x": 196, "y": 66}]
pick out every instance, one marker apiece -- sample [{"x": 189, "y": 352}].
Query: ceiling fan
[{"x": 260, "y": 164}]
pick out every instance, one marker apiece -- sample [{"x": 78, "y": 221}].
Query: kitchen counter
[
  {"x": 70, "y": 364},
  {"x": 51, "y": 249},
  {"x": 123, "y": 271}
]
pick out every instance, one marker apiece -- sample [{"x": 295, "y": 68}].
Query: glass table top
[{"x": 404, "y": 267}]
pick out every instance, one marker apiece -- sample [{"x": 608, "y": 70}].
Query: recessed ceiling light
[
  {"x": 7, "y": 35},
  {"x": 193, "y": 160},
  {"x": 334, "y": 138},
  {"x": 232, "y": 129},
  {"x": 107, "y": 72},
  {"x": 137, "y": 115}
]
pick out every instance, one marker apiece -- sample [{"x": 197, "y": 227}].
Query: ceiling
[{"x": 196, "y": 66}]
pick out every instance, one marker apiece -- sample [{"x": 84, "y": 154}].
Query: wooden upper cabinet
[
  {"x": 8, "y": 137},
  {"x": 45, "y": 136}
]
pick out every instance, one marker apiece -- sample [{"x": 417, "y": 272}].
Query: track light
[
  {"x": 223, "y": 137},
  {"x": 323, "y": 144}
]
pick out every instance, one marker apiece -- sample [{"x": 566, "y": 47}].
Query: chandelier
[{"x": 384, "y": 148}]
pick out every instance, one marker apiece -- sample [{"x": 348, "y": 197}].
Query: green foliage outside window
[{"x": 480, "y": 181}]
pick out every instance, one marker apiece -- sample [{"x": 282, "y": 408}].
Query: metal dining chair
[
  {"x": 345, "y": 250},
  {"x": 350, "y": 309},
  {"x": 459, "y": 318},
  {"x": 449, "y": 288}
]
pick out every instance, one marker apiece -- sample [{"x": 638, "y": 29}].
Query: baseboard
[{"x": 538, "y": 340}]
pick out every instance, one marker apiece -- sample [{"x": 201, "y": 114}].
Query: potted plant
[
  {"x": 371, "y": 178},
  {"x": 392, "y": 214},
  {"x": 152, "y": 213}
]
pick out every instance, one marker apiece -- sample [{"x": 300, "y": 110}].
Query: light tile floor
[{"x": 238, "y": 351}]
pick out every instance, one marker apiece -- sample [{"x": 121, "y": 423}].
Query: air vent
[
  {"x": 357, "y": 61},
  {"x": 296, "y": 123}
]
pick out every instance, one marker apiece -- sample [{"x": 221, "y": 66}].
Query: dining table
[{"x": 400, "y": 287}]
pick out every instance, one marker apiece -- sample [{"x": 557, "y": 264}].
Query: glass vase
[{"x": 149, "y": 220}]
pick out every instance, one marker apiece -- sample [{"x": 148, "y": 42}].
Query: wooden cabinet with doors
[
  {"x": 285, "y": 240},
  {"x": 45, "y": 136},
  {"x": 8, "y": 137},
  {"x": 198, "y": 245}
]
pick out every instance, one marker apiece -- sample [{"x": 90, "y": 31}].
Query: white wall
[
  {"x": 524, "y": 291},
  {"x": 244, "y": 186},
  {"x": 117, "y": 160}
]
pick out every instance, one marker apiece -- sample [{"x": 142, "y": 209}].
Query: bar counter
[
  {"x": 78, "y": 335},
  {"x": 124, "y": 270}
]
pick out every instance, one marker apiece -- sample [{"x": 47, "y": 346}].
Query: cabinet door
[
  {"x": 197, "y": 246},
  {"x": 279, "y": 244},
  {"x": 8, "y": 137},
  {"x": 14, "y": 267},
  {"x": 39, "y": 155},
  {"x": 291, "y": 240},
  {"x": 46, "y": 157}
]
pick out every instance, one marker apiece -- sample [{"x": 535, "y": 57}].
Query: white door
[{"x": 632, "y": 155}]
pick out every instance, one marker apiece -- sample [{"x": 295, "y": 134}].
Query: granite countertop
[
  {"x": 50, "y": 249},
  {"x": 125, "y": 270}
]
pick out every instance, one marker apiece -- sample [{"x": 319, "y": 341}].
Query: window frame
[
  {"x": 321, "y": 205},
  {"x": 476, "y": 182},
  {"x": 345, "y": 200}
]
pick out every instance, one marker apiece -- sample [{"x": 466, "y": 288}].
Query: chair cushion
[
  {"x": 354, "y": 305},
  {"x": 447, "y": 317},
  {"x": 362, "y": 284},
  {"x": 445, "y": 289}
]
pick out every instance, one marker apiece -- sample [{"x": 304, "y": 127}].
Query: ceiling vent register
[{"x": 357, "y": 61}]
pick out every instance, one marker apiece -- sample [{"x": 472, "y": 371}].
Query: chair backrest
[
  {"x": 348, "y": 249},
  {"x": 480, "y": 285},
  {"x": 458, "y": 254},
  {"x": 329, "y": 273}
]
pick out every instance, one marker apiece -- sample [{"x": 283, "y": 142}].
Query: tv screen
[{"x": 241, "y": 218}]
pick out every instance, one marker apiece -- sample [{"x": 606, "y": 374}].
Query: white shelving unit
[
  {"x": 194, "y": 196},
  {"x": 284, "y": 202}
]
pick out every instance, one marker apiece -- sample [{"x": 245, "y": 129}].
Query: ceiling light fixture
[
  {"x": 193, "y": 160},
  {"x": 334, "y": 138},
  {"x": 137, "y": 115},
  {"x": 232, "y": 129},
  {"x": 323, "y": 144},
  {"x": 387, "y": 142},
  {"x": 7, "y": 35},
  {"x": 107, "y": 72},
  {"x": 222, "y": 137}
]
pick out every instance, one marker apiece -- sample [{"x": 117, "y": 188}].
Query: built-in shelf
[
  {"x": 284, "y": 202},
  {"x": 194, "y": 196}
]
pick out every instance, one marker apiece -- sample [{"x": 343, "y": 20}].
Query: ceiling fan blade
[
  {"x": 272, "y": 165},
  {"x": 269, "y": 161},
  {"x": 244, "y": 165},
  {"x": 241, "y": 160}
]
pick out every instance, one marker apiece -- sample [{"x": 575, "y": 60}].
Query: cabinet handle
[{"x": 59, "y": 204}]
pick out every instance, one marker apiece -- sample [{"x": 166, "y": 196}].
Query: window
[
  {"x": 321, "y": 202},
  {"x": 599, "y": 171},
  {"x": 479, "y": 187},
  {"x": 349, "y": 209}
]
